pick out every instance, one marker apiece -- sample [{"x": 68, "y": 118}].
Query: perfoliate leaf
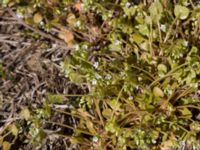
[
  {"x": 130, "y": 11},
  {"x": 143, "y": 29},
  {"x": 185, "y": 111},
  {"x": 115, "y": 104},
  {"x": 162, "y": 68},
  {"x": 156, "y": 10},
  {"x": 195, "y": 126},
  {"x": 181, "y": 12},
  {"x": 158, "y": 92},
  {"x": 137, "y": 38}
]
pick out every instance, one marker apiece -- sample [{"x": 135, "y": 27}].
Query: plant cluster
[{"x": 140, "y": 63}]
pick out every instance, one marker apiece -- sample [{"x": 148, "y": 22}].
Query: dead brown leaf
[
  {"x": 37, "y": 18},
  {"x": 66, "y": 35},
  {"x": 34, "y": 63}
]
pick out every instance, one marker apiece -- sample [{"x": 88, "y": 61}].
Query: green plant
[{"x": 140, "y": 63}]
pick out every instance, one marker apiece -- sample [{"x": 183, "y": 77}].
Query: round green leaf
[
  {"x": 158, "y": 92},
  {"x": 162, "y": 68},
  {"x": 156, "y": 10},
  {"x": 181, "y": 12}
]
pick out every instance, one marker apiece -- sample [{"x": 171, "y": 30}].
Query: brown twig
[
  {"x": 14, "y": 42},
  {"x": 8, "y": 23}
]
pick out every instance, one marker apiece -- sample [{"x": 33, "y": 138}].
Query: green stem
[
  {"x": 159, "y": 30},
  {"x": 190, "y": 106},
  {"x": 146, "y": 72},
  {"x": 170, "y": 73},
  {"x": 169, "y": 122},
  {"x": 118, "y": 97},
  {"x": 74, "y": 95},
  {"x": 151, "y": 39},
  {"x": 69, "y": 127},
  {"x": 170, "y": 30}
]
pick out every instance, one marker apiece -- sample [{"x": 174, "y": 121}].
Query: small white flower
[
  {"x": 20, "y": 15},
  {"x": 122, "y": 74},
  {"x": 163, "y": 27},
  {"x": 85, "y": 46},
  {"x": 193, "y": 18},
  {"x": 35, "y": 5},
  {"x": 83, "y": 55},
  {"x": 110, "y": 14},
  {"x": 96, "y": 65},
  {"x": 62, "y": 64},
  {"x": 153, "y": 62},
  {"x": 198, "y": 92},
  {"x": 137, "y": 87},
  {"x": 130, "y": 98},
  {"x": 195, "y": 85},
  {"x": 54, "y": 45},
  {"x": 77, "y": 47},
  {"x": 185, "y": 43},
  {"x": 98, "y": 76},
  {"x": 95, "y": 139},
  {"x": 170, "y": 92},
  {"x": 127, "y": 4},
  {"x": 180, "y": 55},
  {"x": 183, "y": 17},
  {"x": 94, "y": 82},
  {"x": 139, "y": 78},
  {"x": 117, "y": 42},
  {"x": 41, "y": 23},
  {"x": 78, "y": 23},
  {"x": 154, "y": 141},
  {"x": 108, "y": 77}
]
